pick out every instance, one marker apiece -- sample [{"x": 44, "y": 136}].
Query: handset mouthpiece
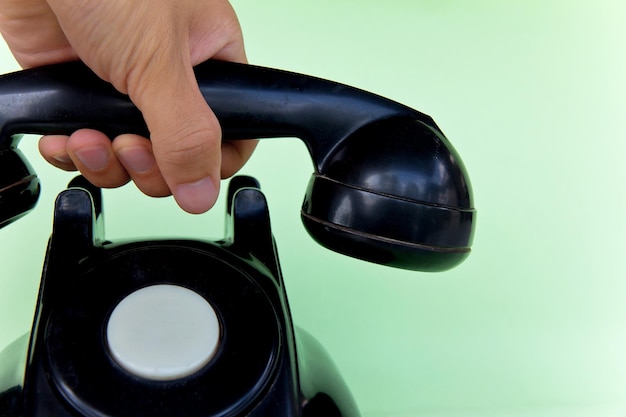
[{"x": 396, "y": 193}]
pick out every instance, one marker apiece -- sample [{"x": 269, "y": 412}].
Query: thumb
[{"x": 185, "y": 134}]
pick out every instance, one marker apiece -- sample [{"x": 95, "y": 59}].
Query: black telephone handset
[{"x": 388, "y": 187}]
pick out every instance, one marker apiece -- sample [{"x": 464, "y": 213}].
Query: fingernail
[
  {"x": 95, "y": 158},
  {"x": 62, "y": 158},
  {"x": 196, "y": 197},
  {"x": 137, "y": 159}
]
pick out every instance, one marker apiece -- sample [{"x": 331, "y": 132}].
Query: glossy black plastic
[
  {"x": 388, "y": 187},
  {"x": 19, "y": 185},
  {"x": 257, "y": 370}
]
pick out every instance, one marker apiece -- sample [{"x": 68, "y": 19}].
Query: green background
[{"x": 531, "y": 93}]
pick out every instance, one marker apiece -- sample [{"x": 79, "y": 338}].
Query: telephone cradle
[
  {"x": 197, "y": 328},
  {"x": 93, "y": 290}
]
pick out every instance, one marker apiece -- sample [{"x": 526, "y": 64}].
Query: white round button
[{"x": 163, "y": 332}]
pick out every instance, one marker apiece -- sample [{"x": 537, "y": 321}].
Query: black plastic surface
[
  {"x": 387, "y": 167},
  {"x": 246, "y": 360},
  {"x": 255, "y": 371},
  {"x": 19, "y": 186}
]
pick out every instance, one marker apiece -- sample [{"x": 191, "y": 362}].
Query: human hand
[{"x": 146, "y": 49}]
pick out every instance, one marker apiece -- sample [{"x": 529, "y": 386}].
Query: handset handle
[
  {"x": 249, "y": 102},
  {"x": 388, "y": 186}
]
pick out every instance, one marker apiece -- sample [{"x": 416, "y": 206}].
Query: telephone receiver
[{"x": 387, "y": 187}]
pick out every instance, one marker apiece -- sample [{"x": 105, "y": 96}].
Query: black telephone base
[{"x": 75, "y": 368}]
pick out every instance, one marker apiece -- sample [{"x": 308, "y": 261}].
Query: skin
[{"x": 146, "y": 49}]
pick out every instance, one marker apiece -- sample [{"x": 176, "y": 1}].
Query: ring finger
[
  {"x": 92, "y": 154},
  {"x": 135, "y": 154}
]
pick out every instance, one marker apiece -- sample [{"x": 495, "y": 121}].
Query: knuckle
[{"x": 191, "y": 144}]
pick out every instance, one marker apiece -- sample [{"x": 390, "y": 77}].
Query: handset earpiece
[{"x": 388, "y": 187}]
